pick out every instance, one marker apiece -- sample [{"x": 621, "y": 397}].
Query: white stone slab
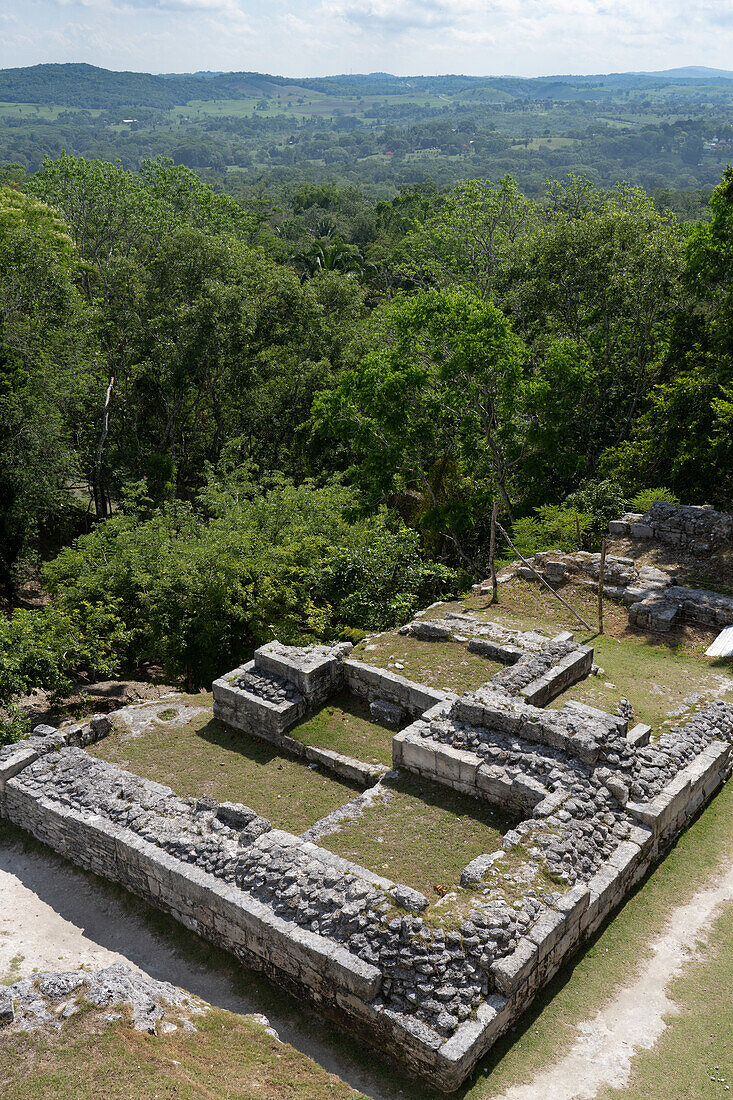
[{"x": 723, "y": 644}]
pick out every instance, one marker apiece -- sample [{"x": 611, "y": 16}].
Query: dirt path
[
  {"x": 602, "y": 1054},
  {"x": 53, "y": 917}
]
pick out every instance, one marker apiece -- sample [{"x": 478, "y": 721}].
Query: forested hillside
[
  {"x": 226, "y": 419},
  {"x": 248, "y": 132}
]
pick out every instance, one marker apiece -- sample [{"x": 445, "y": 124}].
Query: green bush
[
  {"x": 643, "y": 501},
  {"x": 199, "y": 589},
  {"x": 603, "y": 501},
  {"x": 551, "y": 527},
  {"x": 50, "y": 648}
]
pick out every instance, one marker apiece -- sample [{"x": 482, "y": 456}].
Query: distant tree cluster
[{"x": 291, "y": 414}]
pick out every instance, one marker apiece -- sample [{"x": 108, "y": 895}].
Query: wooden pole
[
  {"x": 601, "y": 583},
  {"x": 492, "y": 553},
  {"x": 542, "y": 580}
]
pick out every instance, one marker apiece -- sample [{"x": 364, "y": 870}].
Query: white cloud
[{"x": 310, "y": 37}]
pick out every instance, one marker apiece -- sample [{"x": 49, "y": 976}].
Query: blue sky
[{"x": 317, "y": 37}]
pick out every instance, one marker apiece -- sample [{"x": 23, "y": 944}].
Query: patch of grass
[
  {"x": 13, "y": 973},
  {"x": 167, "y": 714},
  {"x": 344, "y": 724},
  {"x": 204, "y": 757},
  {"x": 694, "y": 1057},
  {"x": 229, "y": 1057},
  {"x": 420, "y": 834},
  {"x": 525, "y": 605},
  {"x": 446, "y": 665}
]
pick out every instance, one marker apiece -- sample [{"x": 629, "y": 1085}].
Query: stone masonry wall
[
  {"x": 654, "y": 601},
  {"x": 697, "y": 528},
  {"x": 597, "y": 808}
]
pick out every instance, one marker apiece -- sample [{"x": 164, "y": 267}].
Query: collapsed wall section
[
  {"x": 696, "y": 528},
  {"x": 654, "y": 599}
]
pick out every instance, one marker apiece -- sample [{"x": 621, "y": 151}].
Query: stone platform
[{"x": 431, "y": 985}]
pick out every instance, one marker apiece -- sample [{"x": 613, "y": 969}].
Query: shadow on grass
[{"x": 451, "y": 802}]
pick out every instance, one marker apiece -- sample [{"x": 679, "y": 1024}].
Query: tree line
[{"x": 224, "y": 421}]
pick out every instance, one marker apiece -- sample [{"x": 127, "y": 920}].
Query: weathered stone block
[
  {"x": 512, "y": 971},
  {"x": 388, "y": 713}
]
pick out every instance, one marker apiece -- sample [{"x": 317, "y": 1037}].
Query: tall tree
[
  {"x": 685, "y": 437},
  {"x": 49, "y": 365},
  {"x": 435, "y": 409}
]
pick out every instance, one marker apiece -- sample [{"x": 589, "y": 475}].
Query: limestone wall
[
  {"x": 372, "y": 683},
  {"x": 697, "y": 528},
  {"x": 599, "y": 810},
  {"x": 270, "y": 694}
]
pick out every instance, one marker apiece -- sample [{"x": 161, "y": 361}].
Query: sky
[{"x": 405, "y": 37}]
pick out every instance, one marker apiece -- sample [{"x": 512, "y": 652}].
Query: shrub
[
  {"x": 50, "y": 648},
  {"x": 603, "y": 501},
  {"x": 643, "y": 501},
  {"x": 200, "y": 588},
  {"x": 551, "y": 527}
]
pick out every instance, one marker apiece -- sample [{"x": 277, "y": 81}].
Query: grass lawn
[
  {"x": 230, "y": 1057},
  {"x": 421, "y": 834},
  {"x": 697, "y": 1044},
  {"x": 202, "y": 756},
  {"x": 344, "y": 724},
  {"x": 446, "y": 665}
]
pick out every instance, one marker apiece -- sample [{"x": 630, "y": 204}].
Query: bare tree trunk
[
  {"x": 492, "y": 553},
  {"x": 601, "y": 581},
  {"x": 100, "y": 502}
]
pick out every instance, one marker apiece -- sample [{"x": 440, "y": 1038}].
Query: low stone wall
[
  {"x": 202, "y": 902},
  {"x": 372, "y": 683},
  {"x": 597, "y": 809},
  {"x": 242, "y": 919},
  {"x": 697, "y": 528},
  {"x": 655, "y": 603},
  {"x": 540, "y": 667},
  {"x": 676, "y": 604},
  {"x": 577, "y": 915},
  {"x": 233, "y": 707},
  {"x": 270, "y": 694}
]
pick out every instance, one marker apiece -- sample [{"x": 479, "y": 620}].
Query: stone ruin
[
  {"x": 698, "y": 529},
  {"x": 433, "y": 985},
  {"x": 48, "y": 1000},
  {"x": 655, "y": 600}
]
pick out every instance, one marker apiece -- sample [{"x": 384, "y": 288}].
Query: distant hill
[
  {"x": 693, "y": 72},
  {"x": 81, "y": 85},
  {"x": 86, "y": 86}
]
